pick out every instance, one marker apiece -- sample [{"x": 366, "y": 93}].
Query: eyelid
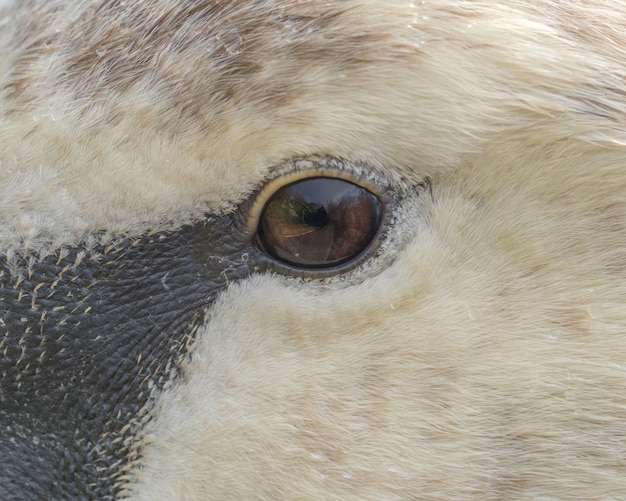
[{"x": 253, "y": 208}]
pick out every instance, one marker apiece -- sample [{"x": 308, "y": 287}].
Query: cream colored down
[
  {"x": 487, "y": 361},
  {"x": 428, "y": 84}
]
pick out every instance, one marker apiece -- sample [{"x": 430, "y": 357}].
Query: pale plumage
[{"x": 478, "y": 353}]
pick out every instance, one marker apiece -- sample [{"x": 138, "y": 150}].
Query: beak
[{"x": 86, "y": 334}]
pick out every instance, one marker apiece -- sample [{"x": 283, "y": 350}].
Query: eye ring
[{"x": 319, "y": 222}]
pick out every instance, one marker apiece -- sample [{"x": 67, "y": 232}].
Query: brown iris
[{"x": 319, "y": 222}]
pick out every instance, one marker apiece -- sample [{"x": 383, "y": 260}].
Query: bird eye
[{"x": 319, "y": 222}]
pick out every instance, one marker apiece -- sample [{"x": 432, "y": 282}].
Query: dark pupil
[
  {"x": 317, "y": 218},
  {"x": 319, "y": 222}
]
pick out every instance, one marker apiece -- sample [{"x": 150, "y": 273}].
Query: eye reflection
[{"x": 319, "y": 222}]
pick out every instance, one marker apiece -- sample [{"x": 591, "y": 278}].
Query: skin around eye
[{"x": 319, "y": 222}]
